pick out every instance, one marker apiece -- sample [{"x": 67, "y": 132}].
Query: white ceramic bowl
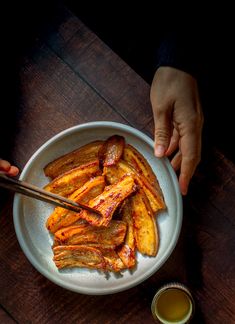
[{"x": 30, "y": 215}]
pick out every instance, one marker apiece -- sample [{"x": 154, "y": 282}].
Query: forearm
[{"x": 180, "y": 51}]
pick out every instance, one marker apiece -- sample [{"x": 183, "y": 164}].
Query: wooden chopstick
[{"x": 30, "y": 190}]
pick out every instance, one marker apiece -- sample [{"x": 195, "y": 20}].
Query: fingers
[
  {"x": 163, "y": 130},
  {"x": 13, "y": 171},
  {"x": 9, "y": 169},
  {"x": 174, "y": 142},
  {"x": 187, "y": 163},
  {"x": 188, "y": 155},
  {"x": 178, "y": 121},
  {"x": 190, "y": 147},
  {"x": 4, "y": 165},
  {"x": 176, "y": 161}
]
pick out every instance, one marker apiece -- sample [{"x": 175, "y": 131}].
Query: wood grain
[
  {"x": 5, "y": 317},
  {"x": 95, "y": 63},
  {"x": 70, "y": 77}
]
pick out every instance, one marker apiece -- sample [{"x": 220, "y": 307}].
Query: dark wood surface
[{"x": 70, "y": 77}]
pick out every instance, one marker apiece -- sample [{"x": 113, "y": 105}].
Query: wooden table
[{"x": 71, "y": 77}]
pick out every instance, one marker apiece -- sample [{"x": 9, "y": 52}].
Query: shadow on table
[{"x": 192, "y": 257}]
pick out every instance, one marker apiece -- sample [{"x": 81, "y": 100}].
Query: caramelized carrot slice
[
  {"x": 154, "y": 193},
  {"x": 109, "y": 200},
  {"x": 113, "y": 261},
  {"x": 83, "y": 155},
  {"x": 127, "y": 250},
  {"x": 72, "y": 180},
  {"x": 139, "y": 163},
  {"x": 62, "y": 217},
  {"x": 111, "y": 151},
  {"x": 78, "y": 256},
  {"x": 113, "y": 234},
  {"x": 145, "y": 227}
]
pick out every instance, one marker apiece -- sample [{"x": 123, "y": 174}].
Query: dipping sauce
[{"x": 172, "y": 305}]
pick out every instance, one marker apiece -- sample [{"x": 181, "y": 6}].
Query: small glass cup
[{"x": 173, "y": 303}]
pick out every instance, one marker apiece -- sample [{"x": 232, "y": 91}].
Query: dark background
[{"x": 134, "y": 32}]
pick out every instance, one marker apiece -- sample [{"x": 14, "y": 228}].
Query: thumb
[{"x": 162, "y": 133}]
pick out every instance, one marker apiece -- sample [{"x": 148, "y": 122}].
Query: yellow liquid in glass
[{"x": 173, "y": 305}]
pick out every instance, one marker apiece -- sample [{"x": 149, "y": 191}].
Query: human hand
[
  {"x": 7, "y": 168},
  {"x": 178, "y": 121}
]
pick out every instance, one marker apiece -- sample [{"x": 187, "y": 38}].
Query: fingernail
[
  {"x": 184, "y": 192},
  {"x": 183, "y": 185},
  {"x": 159, "y": 150}
]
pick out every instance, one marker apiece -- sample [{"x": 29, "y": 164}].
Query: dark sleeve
[{"x": 181, "y": 51}]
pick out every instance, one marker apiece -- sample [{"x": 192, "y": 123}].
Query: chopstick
[{"x": 30, "y": 190}]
